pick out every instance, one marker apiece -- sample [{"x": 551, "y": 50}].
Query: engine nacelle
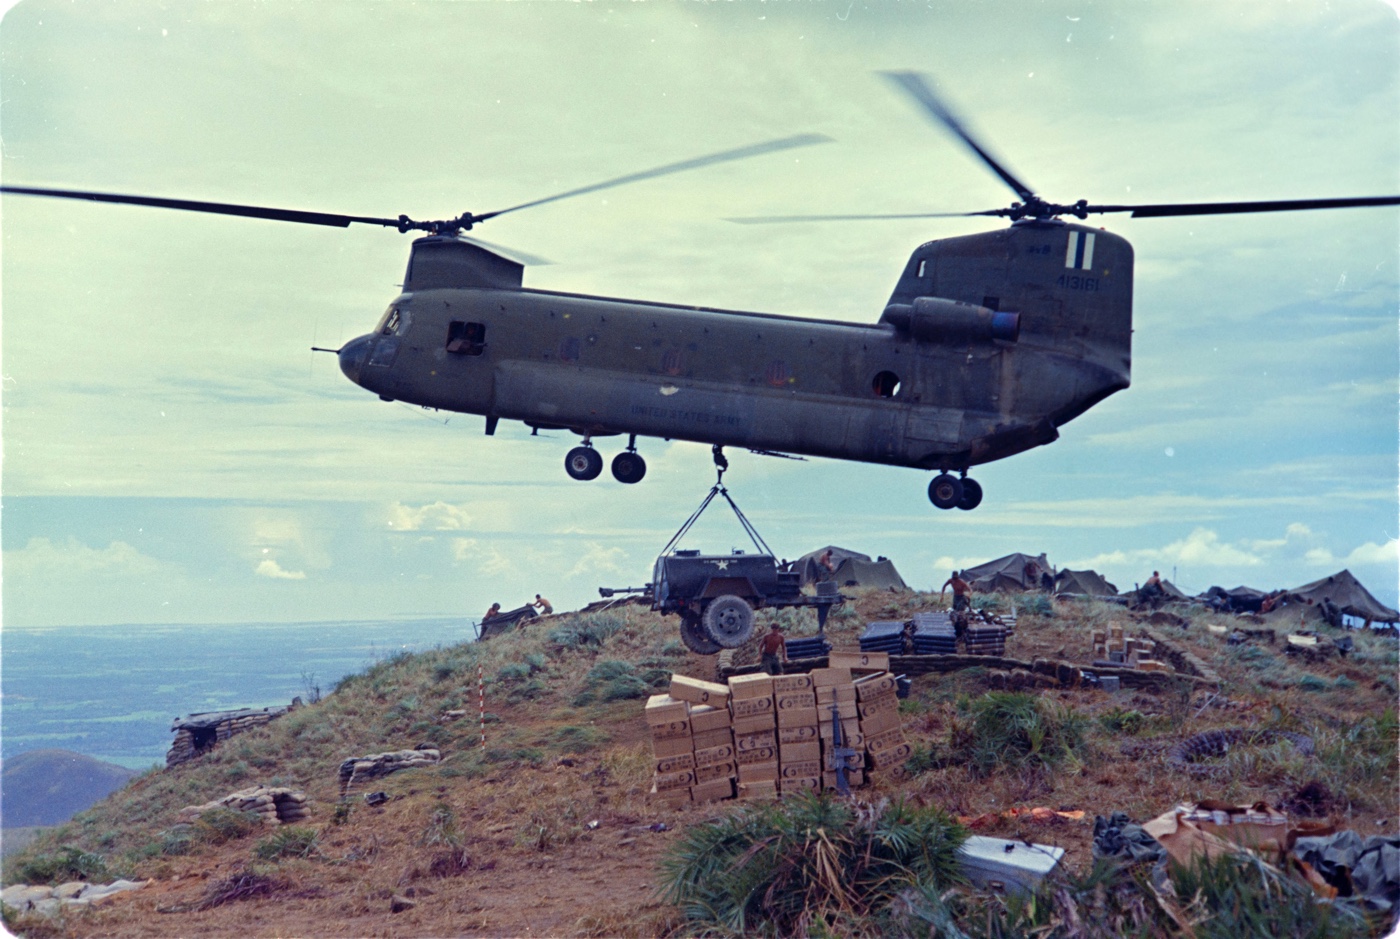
[{"x": 934, "y": 319}]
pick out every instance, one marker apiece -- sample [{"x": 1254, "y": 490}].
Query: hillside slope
[
  {"x": 46, "y": 787},
  {"x": 546, "y": 827}
]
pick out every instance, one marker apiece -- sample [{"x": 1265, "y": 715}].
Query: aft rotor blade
[
  {"x": 774, "y": 219},
  {"x": 216, "y": 208},
  {"x": 1234, "y": 208},
  {"x": 771, "y": 146},
  {"x": 913, "y": 83}
]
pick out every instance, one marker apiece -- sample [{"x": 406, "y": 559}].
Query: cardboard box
[
  {"x": 786, "y": 683},
  {"x": 802, "y": 734},
  {"x": 875, "y": 705},
  {"x": 854, "y": 760},
  {"x": 803, "y": 770},
  {"x": 794, "y": 699},
  {"x": 697, "y": 691},
  {"x": 670, "y": 731},
  {"x": 750, "y": 707},
  {"x": 879, "y": 721},
  {"x": 704, "y": 718},
  {"x": 800, "y": 752},
  {"x": 714, "y": 738},
  {"x": 758, "y": 790},
  {"x": 680, "y": 780},
  {"x": 894, "y": 756},
  {"x": 671, "y": 797},
  {"x": 675, "y": 764},
  {"x": 758, "y": 772},
  {"x": 826, "y": 677},
  {"x": 767, "y": 738},
  {"x": 849, "y": 738},
  {"x": 713, "y": 790},
  {"x": 754, "y": 725},
  {"x": 797, "y": 717},
  {"x": 860, "y": 661},
  {"x": 854, "y": 778},
  {"x": 671, "y": 746},
  {"x": 758, "y": 755},
  {"x": 663, "y": 709},
  {"x": 846, "y": 710},
  {"x": 873, "y": 686},
  {"x": 712, "y": 755},
  {"x": 800, "y": 784},
  {"x": 750, "y": 686},
  {"x": 881, "y": 741},
  {"x": 835, "y": 693},
  {"x": 704, "y": 774}
]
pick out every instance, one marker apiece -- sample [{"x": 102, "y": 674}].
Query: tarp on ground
[
  {"x": 853, "y": 569},
  {"x": 1012, "y": 573},
  {"x": 1070, "y": 583},
  {"x": 1349, "y": 596}
]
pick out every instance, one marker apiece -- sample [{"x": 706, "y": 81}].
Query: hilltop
[
  {"x": 46, "y": 787},
  {"x": 547, "y": 828}
]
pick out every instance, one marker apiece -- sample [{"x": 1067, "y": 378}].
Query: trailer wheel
[
  {"x": 695, "y": 638},
  {"x": 729, "y": 621}
]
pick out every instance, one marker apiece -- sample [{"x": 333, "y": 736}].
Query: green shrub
[
  {"x": 292, "y": 841},
  {"x": 573, "y": 739},
  {"x": 1010, "y": 729},
  {"x": 219, "y": 825},
  {"x": 588, "y": 631},
  {"x": 1313, "y": 683},
  {"x": 806, "y": 865},
  {"x": 1119, "y": 721},
  {"x": 63, "y": 865},
  {"x": 1244, "y": 898}
]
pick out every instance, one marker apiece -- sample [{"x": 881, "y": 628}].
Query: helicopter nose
[{"x": 352, "y": 357}]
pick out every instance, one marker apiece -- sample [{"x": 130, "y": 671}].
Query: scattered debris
[
  {"x": 1039, "y": 814},
  {"x": 1007, "y": 866},
  {"x": 46, "y": 900}
]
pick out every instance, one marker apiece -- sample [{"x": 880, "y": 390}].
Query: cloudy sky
[{"x": 174, "y": 453}]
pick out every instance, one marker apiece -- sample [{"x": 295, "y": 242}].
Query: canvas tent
[
  {"x": 1349, "y": 596},
  {"x": 1070, "y": 583},
  {"x": 853, "y": 569},
  {"x": 1012, "y": 573}
]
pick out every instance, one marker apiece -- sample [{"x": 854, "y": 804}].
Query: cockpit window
[
  {"x": 466, "y": 338},
  {"x": 395, "y": 322}
]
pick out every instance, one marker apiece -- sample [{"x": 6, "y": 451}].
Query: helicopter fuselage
[{"x": 988, "y": 344}]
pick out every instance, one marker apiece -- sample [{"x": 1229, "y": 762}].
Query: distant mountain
[{"x": 47, "y": 787}]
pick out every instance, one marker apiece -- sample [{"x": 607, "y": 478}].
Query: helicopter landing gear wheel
[
  {"x": 583, "y": 463},
  {"x": 945, "y": 491},
  {"x": 629, "y": 467},
  {"x": 971, "y": 496},
  {"x": 729, "y": 621},
  {"x": 695, "y": 638}
]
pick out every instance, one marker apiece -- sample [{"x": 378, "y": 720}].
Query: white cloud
[
  {"x": 1368, "y": 553},
  {"x": 270, "y": 568},
  {"x": 71, "y": 557},
  {"x": 1201, "y": 548},
  {"x": 437, "y": 516},
  {"x": 596, "y": 559}
]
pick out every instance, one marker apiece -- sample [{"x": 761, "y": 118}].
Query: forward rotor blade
[
  {"x": 774, "y": 219},
  {"x": 771, "y": 146},
  {"x": 913, "y": 83},
  {"x": 1234, "y": 208},
  {"x": 215, "y": 208}
]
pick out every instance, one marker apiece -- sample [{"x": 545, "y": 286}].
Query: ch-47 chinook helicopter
[{"x": 988, "y": 344}]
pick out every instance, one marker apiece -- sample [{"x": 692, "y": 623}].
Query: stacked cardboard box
[
  {"x": 1113, "y": 646},
  {"x": 672, "y": 747},
  {"x": 836, "y": 706},
  {"x": 878, "y": 707},
  {"x": 799, "y": 745},
  {"x": 712, "y": 736},
  {"x": 755, "y": 735}
]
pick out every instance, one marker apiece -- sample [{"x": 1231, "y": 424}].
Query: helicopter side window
[
  {"x": 885, "y": 384},
  {"x": 466, "y": 338},
  {"x": 395, "y": 323}
]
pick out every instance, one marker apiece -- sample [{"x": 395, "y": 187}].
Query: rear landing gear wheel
[
  {"x": 945, "y": 491},
  {"x": 629, "y": 467},
  {"x": 729, "y": 620},
  {"x": 583, "y": 463},
  {"x": 695, "y": 638},
  {"x": 972, "y": 495}
]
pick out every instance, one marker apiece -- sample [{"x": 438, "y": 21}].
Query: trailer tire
[
  {"x": 695, "y": 637},
  {"x": 729, "y": 620}
]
